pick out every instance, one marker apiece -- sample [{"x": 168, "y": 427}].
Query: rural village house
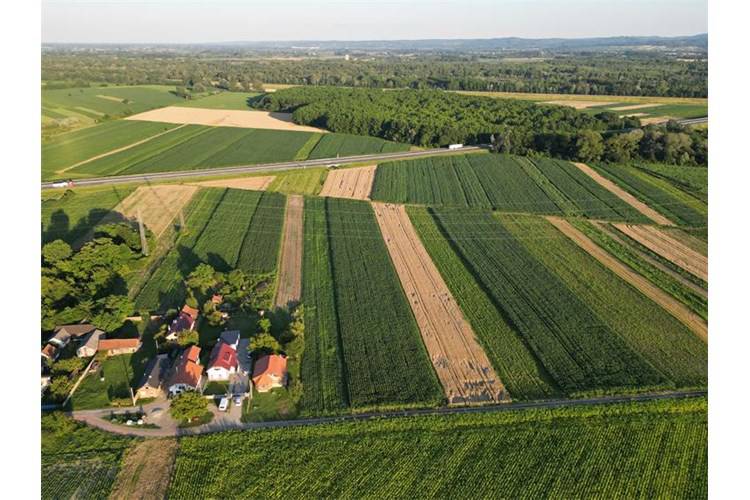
[
  {"x": 114, "y": 347},
  {"x": 154, "y": 377},
  {"x": 89, "y": 344},
  {"x": 50, "y": 352},
  {"x": 185, "y": 321},
  {"x": 63, "y": 334},
  {"x": 269, "y": 372},
  {"x": 187, "y": 373},
  {"x": 223, "y": 362}
]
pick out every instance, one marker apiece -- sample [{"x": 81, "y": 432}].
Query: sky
[{"x": 191, "y": 21}]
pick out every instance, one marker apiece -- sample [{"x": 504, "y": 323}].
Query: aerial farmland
[{"x": 373, "y": 282}]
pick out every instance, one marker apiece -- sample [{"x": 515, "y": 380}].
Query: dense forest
[
  {"x": 436, "y": 118},
  {"x": 636, "y": 73}
]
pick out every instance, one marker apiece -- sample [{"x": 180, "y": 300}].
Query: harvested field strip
[
  {"x": 165, "y": 288},
  {"x": 72, "y": 147},
  {"x": 75, "y": 213},
  {"x": 223, "y": 118},
  {"x": 667, "y": 344},
  {"x": 521, "y": 373},
  {"x": 289, "y": 288},
  {"x": 260, "y": 247},
  {"x": 146, "y": 470},
  {"x": 119, "y": 162},
  {"x": 652, "y": 450},
  {"x": 675, "y": 204},
  {"x": 679, "y": 311},
  {"x": 322, "y": 368},
  {"x": 158, "y": 205},
  {"x": 251, "y": 183},
  {"x": 624, "y": 195},
  {"x": 579, "y": 350},
  {"x": 669, "y": 248},
  {"x": 384, "y": 358},
  {"x": 354, "y": 183},
  {"x": 462, "y": 366}
]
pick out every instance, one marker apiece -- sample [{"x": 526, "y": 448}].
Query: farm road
[
  {"x": 94, "y": 417},
  {"x": 266, "y": 167}
]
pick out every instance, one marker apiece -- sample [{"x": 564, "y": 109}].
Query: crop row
[
  {"x": 667, "y": 345},
  {"x": 579, "y": 350},
  {"x": 260, "y": 247},
  {"x": 384, "y": 359},
  {"x": 333, "y": 145},
  {"x": 620, "y": 451}
]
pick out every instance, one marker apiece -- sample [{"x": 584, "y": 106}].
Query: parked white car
[{"x": 223, "y": 404}]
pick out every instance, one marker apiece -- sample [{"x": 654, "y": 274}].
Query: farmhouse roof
[
  {"x": 49, "y": 351},
  {"x": 190, "y": 311},
  {"x": 217, "y": 298},
  {"x": 91, "y": 340},
  {"x": 223, "y": 356},
  {"x": 187, "y": 370},
  {"x": 108, "y": 344},
  {"x": 155, "y": 372},
  {"x": 75, "y": 330},
  {"x": 273, "y": 365}
]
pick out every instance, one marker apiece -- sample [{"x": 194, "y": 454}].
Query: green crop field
[
  {"x": 502, "y": 182},
  {"x": 78, "y": 461},
  {"x": 332, "y": 145},
  {"x": 195, "y": 147},
  {"x": 321, "y": 370},
  {"x": 577, "y": 348},
  {"x": 307, "y": 181},
  {"x": 73, "y": 214},
  {"x": 384, "y": 359},
  {"x": 679, "y": 357},
  {"x": 95, "y": 103},
  {"x": 71, "y": 148},
  {"x": 260, "y": 247},
  {"x": 694, "y": 180},
  {"x": 637, "y": 450},
  {"x": 222, "y": 100},
  {"x": 678, "y": 206},
  {"x": 520, "y": 372}
]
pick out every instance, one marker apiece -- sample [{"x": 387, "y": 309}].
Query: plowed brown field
[
  {"x": 669, "y": 304},
  {"x": 250, "y": 183},
  {"x": 146, "y": 470},
  {"x": 669, "y": 248},
  {"x": 290, "y": 271},
  {"x": 624, "y": 195},
  {"x": 460, "y": 362},
  {"x": 354, "y": 183}
]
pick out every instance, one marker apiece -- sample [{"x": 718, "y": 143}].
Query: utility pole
[{"x": 144, "y": 243}]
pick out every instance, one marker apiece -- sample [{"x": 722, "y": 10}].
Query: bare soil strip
[
  {"x": 223, "y": 118},
  {"x": 146, "y": 470},
  {"x": 110, "y": 97},
  {"x": 249, "y": 183},
  {"x": 624, "y": 195},
  {"x": 669, "y": 248},
  {"x": 635, "y": 106},
  {"x": 460, "y": 362},
  {"x": 655, "y": 120},
  {"x": 617, "y": 236},
  {"x": 289, "y": 289},
  {"x": 581, "y": 104},
  {"x": 669, "y": 304},
  {"x": 354, "y": 183},
  {"x": 118, "y": 150}
]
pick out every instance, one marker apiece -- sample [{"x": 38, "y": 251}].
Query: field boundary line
[
  {"x": 624, "y": 195},
  {"x": 694, "y": 322},
  {"x": 289, "y": 281},
  {"x": 118, "y": 150}
]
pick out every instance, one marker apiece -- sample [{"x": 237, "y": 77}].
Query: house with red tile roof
[
  {"x": 223, "y": 362},
  {"x": 187, "y": 373},
  {"x": 185, "y": 321},
  {"x": 114, "y": 347},
  {"x": 269, "y": 372},
  {"x": 50, "y": 352}
]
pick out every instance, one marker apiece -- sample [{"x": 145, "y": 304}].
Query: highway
[{"x": 265, "y": 167}]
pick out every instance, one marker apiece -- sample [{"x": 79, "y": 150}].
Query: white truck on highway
[
  {"x": 62, "y": 184},
  {"x": 455, "y": 146}
]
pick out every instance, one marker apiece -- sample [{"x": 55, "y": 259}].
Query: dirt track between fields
[
  {"x": 669, "y": 304},
  {"x": 354, "y": 183},
  {"x": 223, "y": 118},
  {"x": 578, "y": 104},
  {"x": 669, "y": 248},
  {"x": 146, "y": 470},
  {"x": 289, "y": 290},
  {"x": 624, "y": 195},
  {"x": 108, "y": 153},
  {"x": 631, "y": 107},
  {"x": 249, "y": 183},
  {"x": 460, "y": 362}
]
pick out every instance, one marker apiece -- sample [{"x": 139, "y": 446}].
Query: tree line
[
  {"x": 434, "y": 118},
  {"x": 586, "y": 74}
]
